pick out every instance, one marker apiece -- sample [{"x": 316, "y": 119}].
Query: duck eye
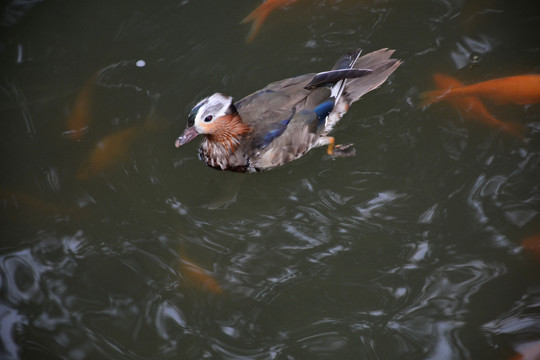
[{"x": 208, "y": 118}]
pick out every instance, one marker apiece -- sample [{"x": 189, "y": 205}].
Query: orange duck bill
[{"x": 189, "y": 134}]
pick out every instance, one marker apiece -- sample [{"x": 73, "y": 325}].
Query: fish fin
[
  {"x": 260, "y": 14},
  {"x": 431, "y": 97},
  {"x": 515, "y": 129},
  {"x": 257, "y": 16},
  {"x": 81, "y": 113},
  {"x": 197, "y": 276}
]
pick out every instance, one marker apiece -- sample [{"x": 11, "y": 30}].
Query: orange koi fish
[
  {"x": 111, "y": 150},
  {"x": 532, "y": 244},
  {"x": 16, "y": 205},
  {"x": 472, "y": 108},
  {"x": 78, "y": 120},
  {"x": 258, "y": 15},
  {"x": 197, "y": 276},
  {"x": 521, "y": 89},
  {"x": 530, "y": 351},
  {"x": 24, "y": 201}
]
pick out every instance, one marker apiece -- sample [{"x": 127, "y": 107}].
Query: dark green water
[{"x": 410, "y": 250}]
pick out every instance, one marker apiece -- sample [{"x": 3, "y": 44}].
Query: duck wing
[
  {"x": 298, "y": 105},
  {"x": 271, "y": 110}
]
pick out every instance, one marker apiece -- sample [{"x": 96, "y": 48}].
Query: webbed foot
[
  {"x": 339, "y": 150},
  {"x": 344, "y": 150}
]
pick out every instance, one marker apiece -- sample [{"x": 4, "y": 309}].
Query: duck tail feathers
[
  {"x": 352, "y": 89},
  {"x": 382, "y": 67},
  {"x": 337, "y": 77},
  {"x": 347, "y": 61},
  {"x": 334, "y": 76}
]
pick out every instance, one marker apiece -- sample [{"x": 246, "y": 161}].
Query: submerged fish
[
  {"x": 472, "y": 108},
  {"x": 258, "y": 15},
  {"x": 528, "y": 351},
  {"x": 112, "y": 150},
  {"x": 197, "y": 277},
  {"x": 521, "y": 89},
  {"x": 79, "y": 119},
  {"x": 20, "y": 200},
  {"x": 532, "y": 244},
  {"x": 16, "y": 206}
]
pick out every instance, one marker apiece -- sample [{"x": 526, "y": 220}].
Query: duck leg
[{"x": 339, "y": 150}]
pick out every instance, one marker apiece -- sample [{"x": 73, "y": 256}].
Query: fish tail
[
  {"x": 260, "y": 14},
  {"x": 515, "y": 129},
  {"x": 433, "y": 96},
  {"x": 197, "y": 276},
  {"x": 257, "y": 16}
]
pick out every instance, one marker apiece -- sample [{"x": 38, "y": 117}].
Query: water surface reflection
[{"x": 412, "y": 249}]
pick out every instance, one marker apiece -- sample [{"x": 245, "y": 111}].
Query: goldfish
[
  {"x": 197, "y": 276},
  {"x": 26, "y": 201},
  {"x": 532, "y": 244},
  {"x": 529, "y": 351},
  {"x": 258, "y": 15},
  {"x": 521, "y": 89},
  {"x": 112, "y": 150},
  {"x": 79, "y": 119},
  {"x": 472, "y": 108},
  {"x": 17, "y": 205}
]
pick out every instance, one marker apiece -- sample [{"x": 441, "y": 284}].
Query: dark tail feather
[
  {"x": 347, "y": 61},
  {"x": 333, "y": 76}
]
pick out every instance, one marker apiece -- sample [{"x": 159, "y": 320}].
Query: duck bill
[{"x": 189, "y": 134}]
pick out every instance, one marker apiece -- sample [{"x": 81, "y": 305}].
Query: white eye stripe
[{"x": 213, "y": 107}]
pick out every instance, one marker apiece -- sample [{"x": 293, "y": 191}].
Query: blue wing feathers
[
  {"x": 277, "y": 131},
  {"x": 324, "y": 109}
]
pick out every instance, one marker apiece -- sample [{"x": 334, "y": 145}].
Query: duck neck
[{"x": 229, "y": 130}]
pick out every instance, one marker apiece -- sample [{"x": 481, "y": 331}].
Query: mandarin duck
[{"x": 287, "y": 118}]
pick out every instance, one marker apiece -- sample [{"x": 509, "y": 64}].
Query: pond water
[{"x": 412, "y": 249}]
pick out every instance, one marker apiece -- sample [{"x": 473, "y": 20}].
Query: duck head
[{"x": 210, "y": 117}]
